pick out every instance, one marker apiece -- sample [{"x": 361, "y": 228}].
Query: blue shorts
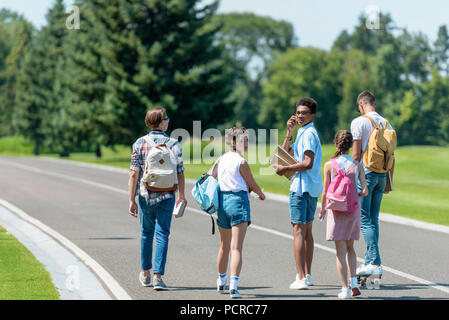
[
  {"x": 233, "y": 209},
  {"x": 302, "y": 208}
]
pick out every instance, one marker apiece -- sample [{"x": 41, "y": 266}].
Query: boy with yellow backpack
[{"x": 374, "y": 142}]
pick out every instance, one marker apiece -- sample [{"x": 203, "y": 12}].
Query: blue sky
[{"x": 317, "y": 22}]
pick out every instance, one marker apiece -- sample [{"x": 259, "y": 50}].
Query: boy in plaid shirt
[{"x": 153, "y": 208}]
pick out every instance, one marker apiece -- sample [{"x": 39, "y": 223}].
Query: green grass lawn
[
  {"x": 421, "y": 184},
  {"x": 22, "y": 276}
]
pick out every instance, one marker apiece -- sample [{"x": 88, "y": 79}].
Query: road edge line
[
  {"x": 108, "y": 281},
  {"x": 385, "y": 217}
]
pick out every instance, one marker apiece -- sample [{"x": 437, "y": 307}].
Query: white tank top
[{"x": 229, "y": 177}]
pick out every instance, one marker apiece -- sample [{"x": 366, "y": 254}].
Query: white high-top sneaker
[{"x": 345, "y": 293}]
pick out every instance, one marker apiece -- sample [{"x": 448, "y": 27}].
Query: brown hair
[
  {"x": 343, "y": 141},
  {"x": 366, "y": 97},
  {"x": 232, "y": 134},
  {"x": 154, "y": 117}
]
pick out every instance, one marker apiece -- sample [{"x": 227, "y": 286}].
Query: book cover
[{"x": 282, "y": 157}]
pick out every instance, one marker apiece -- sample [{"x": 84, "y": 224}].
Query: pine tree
[
  {"x": 22, "y": 31},
  {"x": 180, "y": 66},
  {"x": 40, "y": 116},
  {"x": 130, "y": 56}
]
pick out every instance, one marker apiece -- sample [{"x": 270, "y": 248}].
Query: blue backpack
[{"x": 206, "y": 192}]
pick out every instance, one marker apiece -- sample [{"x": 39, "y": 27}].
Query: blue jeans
[
  {"x": 156, "y": 218},
  {"x": 370, "y": 206},
  {"x": 302, "y": 208}
]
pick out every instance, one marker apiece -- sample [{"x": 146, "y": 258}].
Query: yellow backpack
[{"x": 379, "y": 153}]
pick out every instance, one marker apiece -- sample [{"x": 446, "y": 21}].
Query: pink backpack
[{"x": 341, "y": 195}]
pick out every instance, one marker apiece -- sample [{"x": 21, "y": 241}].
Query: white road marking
[
  {"x": 278, "y": 233},
  {"x": 386, "y": 217}
]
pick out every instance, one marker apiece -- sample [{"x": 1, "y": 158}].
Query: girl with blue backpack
[
  {"x": 341, "y": 199},
  {"x": 236, "y": 181}
]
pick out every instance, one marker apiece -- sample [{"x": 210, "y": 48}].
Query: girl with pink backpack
[{"x": 340, "y": 199}]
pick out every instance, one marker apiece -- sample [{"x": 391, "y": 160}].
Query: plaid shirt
[{"x": 138, "y": 157}]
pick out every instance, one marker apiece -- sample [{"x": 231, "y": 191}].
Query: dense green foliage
[{"x": 85, "y": 89}]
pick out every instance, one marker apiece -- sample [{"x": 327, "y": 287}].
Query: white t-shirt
[
  {"x": 362, "y": 128},
  {"x": 229, "y": 177}
]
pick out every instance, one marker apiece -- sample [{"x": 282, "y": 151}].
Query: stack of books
[{"x": 283, "y": 158}]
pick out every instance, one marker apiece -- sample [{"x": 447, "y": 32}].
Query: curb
[{"x": 73, "y": 271}]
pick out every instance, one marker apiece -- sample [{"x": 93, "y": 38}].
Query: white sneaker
[
  {"x": 360, "y": 269},
  {"x": 345, "y": 293},
  {"x": 369, "y": 270},
  {"x": 309, "y": 280},
  {"x": 299, "y": 284}
]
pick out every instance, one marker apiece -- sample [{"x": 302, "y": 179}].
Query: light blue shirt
[{"x": 309, "y": 180}]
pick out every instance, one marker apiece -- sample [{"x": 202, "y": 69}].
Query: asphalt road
[{"x": 89, "y": 206}]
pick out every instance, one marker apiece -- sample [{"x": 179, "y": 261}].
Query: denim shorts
[
  {"x": 302, "y": 208},
  {"x": 233, "y": 209}
]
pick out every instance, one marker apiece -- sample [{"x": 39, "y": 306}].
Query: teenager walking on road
[
  {"x": 344, "y": 227},
  {"x": 305, "y": 188},
  {"x": 236, "y": 181},
  {"x": 155, "y": 206},
  {"x": 361, "y": 129}
]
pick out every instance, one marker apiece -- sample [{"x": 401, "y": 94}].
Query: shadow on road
[
  {"x": 213, "y": 288},
  {"x": 116, "y": 238}
]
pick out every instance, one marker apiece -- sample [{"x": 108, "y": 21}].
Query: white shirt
[
  {"x": 229, "y": 177},
  {"x": 362, "y": 128}
]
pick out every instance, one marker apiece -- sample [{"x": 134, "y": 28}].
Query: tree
[
  {"x": 300, "y": 73},
  {"x": 252, "y": 43},
  {"x": 21, "y": 33},
  {"x": 39, "y": 114},
  {"x": 130, "y": 56},
  {"x": 356, "y": 77},
  {"x": 385, "y": 73},
  {"x": 415, "y": 55},
  {"x": 367, "y": 40},
  {"x": 442, "y": 50},
  {"x": 181, "y": 66},
  {"x": 434, "y": 120}
]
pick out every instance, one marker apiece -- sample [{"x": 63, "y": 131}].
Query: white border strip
[
  {"x": 71, "y": 277},
  {"x": 107, "y": 279},
  {"x": 386, "y": 217}
]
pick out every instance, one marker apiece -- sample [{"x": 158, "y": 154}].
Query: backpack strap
[
  {"x": 171, "y": 142},
  {"x": 353, "y": 164},
  {"x": 337, "y": 167},
  {"x": 374, "y": 123},
  {"x": 149, "y": 141},
  {"x": 372, "y": 120},
  {"x": 334, "y": 162}
]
